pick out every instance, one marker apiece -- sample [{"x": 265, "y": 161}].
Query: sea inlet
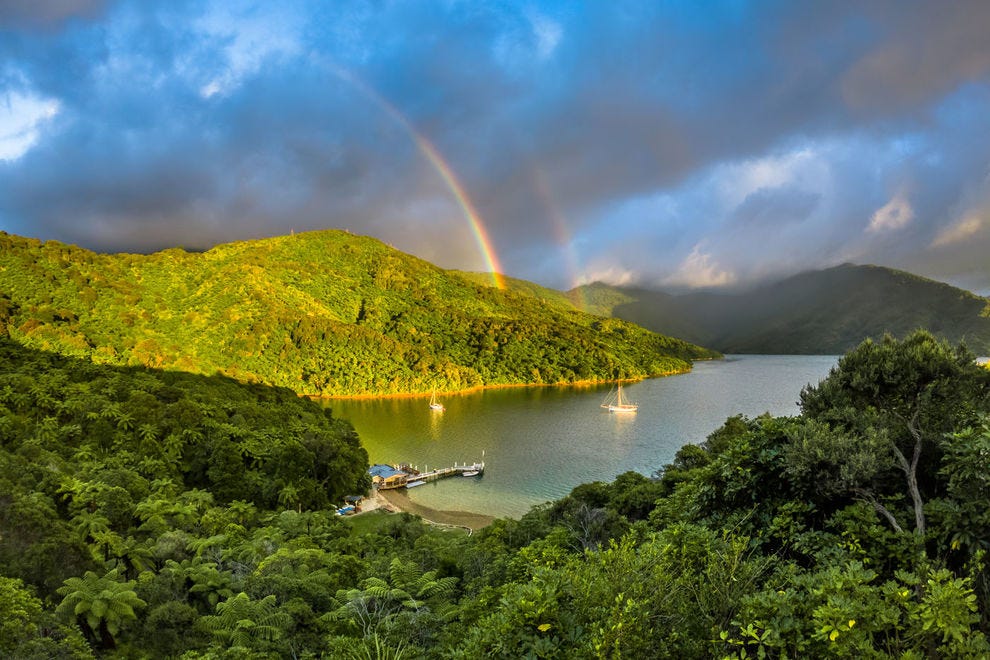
[{"x": 540, "y": 442}]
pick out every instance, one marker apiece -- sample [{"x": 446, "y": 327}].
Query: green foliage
[
  {"x": 408, "y": 606},
  {"x": 891, "y": 402},
  {"x": 101, "y": 605},
  {"x": 321, "y": 313},
  {"x": 841, "y": 611},
  {"x": 242, "y": 623},
  {"x": 170, "y": 630},
  {"x": 27, "y": 631},
  {"x": 249, "y": 444},
  {"x": 966, "y": 471},
  {"x": 199, "y": 502}
]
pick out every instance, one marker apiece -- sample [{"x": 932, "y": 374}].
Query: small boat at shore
[
  {"x": 614, "y": 403},
  {"x": 470, "y": 473},
  {"x": 413, "y": 484}
]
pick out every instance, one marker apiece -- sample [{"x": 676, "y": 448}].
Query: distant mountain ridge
[
  {"x": 322, "y": 313},
  {"x": 817, "y": 312}
]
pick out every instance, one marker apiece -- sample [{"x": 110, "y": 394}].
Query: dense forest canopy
[
  {"x": 154, "y": 514},
  {"x": 322, "y": 313}
]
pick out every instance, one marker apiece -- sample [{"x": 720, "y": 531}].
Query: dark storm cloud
[
  {"x": 45, "y": 13},
  {"x": 924, "y": 52},
  {"x": 848, "y": 129}
]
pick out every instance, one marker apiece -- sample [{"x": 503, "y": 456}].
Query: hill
[
  {"x": 823, "y": 312},
  {"x": 151, "y": 514},
  {"x": 322, "y": 313}
]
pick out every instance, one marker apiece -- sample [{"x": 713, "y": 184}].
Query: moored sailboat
[
  {"x": 434, "y": 404},
  {"x": 614, "y": 403}
]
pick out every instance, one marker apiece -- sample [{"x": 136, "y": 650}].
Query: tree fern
[
  {"x": 240, "y": 620},
  {"x": 101, "y": 605}
]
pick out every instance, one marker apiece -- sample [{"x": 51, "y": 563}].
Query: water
[{"x": 539, "y": 443}]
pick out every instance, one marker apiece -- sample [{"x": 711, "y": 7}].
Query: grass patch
[{"x": 369, "y": 523}]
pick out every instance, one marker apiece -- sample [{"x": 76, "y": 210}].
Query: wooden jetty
[
  {"x": 433, "y": 475},
  {"x": 385, "y": 477}
]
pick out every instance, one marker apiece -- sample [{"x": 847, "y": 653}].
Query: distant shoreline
[{"x": 479, "y": 388}]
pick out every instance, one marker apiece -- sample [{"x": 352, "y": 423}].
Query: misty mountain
[{"x": 816, "y": 312}]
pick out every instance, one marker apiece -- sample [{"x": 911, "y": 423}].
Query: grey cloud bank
[{"x": 701, "y": 144}]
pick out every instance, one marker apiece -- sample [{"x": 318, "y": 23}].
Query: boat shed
[{"x": 386, "y": 476}]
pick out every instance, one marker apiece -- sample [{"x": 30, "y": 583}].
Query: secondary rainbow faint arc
[
  {"x": 562, "y": 234},
  {"x": 443, "y": 169}
]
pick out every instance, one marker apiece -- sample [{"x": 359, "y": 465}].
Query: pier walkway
[
  {"x": 469, "y": 470},
  {"x": 385, "y": 477}
]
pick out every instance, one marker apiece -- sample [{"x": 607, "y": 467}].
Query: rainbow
[
  {"x": 432, "y": 154},
  {"x": 561, "y": 233},
  {"x": 474, "y": 220}
]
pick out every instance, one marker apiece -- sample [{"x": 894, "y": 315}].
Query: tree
[
  {"x": 100, "y": 605},
  {"x": 240, "y": 622},
  {"x": 170, "y": 629},
  {"x": 903, "y": 395},
  {"x": 27, "y": 631},
  {"x": 380, "y": 602}
]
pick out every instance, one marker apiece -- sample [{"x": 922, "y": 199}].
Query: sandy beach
[{"x": 399, "y": 500}]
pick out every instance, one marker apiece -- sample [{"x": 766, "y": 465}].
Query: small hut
[{"x": 386, "y": 476}]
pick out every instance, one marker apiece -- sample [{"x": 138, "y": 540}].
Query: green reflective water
[{"x": 539, "y": 443}]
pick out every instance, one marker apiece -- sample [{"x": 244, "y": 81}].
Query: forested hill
[
  {"x": 818, "y": 312},
  {"x": 323, "y": 313},
  {"x": 149, "y": 514}
]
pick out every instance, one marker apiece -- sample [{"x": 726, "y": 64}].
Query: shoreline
[
  {"x": 479, "y": 388},
  {"x": 400, "y": 501}
]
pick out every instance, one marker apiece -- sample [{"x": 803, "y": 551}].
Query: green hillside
[
  {"x": 818, "y": 312},
  {"x": 543, "y": 294},
  {"x": 322, "y": 313},
  {"x": 152, "y": 514}
]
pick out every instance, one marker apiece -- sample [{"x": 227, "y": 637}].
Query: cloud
[
  {"x": 548, "y": 34},
  {"x": 924, "y": 50},
  {"x": 895, "y": 214},
  {"x": 47, "y": 13},
  {"x": 738, "y": 181},
  {"x": 775, "y": 207},
  {"x": 249, "y": 37},
  {"x": 699, "y": 270},
  {"x": 613, "y": 275},
  {"x": 672, "y": 141},
  {"x": 21, "y": 119},
  {"x": 965, "y": 229}
]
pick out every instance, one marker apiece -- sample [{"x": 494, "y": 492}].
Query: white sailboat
[
  {"x": 434, "y": 404},
  {"x": 614, "y": 402}
]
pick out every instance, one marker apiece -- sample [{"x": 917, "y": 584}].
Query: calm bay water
[{"x": 541, "y": 442}]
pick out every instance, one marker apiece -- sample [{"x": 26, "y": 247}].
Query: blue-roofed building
[{"x": 386, "y": 476}]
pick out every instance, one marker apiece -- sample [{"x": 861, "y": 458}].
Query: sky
[{"x": 671, "y": 144}]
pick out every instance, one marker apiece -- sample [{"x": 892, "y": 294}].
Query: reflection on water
[
  {"x": 436, "y": 417},
  {"x": 539, "y": 443}
]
